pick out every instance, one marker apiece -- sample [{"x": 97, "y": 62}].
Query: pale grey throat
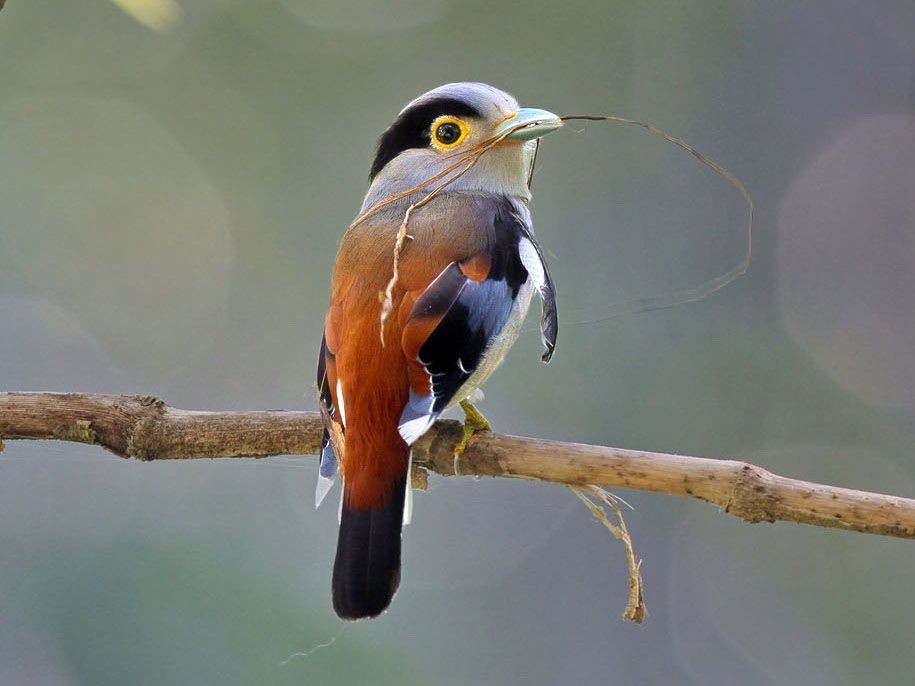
[{"x": 502, "y": 170}]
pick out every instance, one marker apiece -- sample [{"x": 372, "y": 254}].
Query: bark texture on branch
[{"x": 148, "y": 429}]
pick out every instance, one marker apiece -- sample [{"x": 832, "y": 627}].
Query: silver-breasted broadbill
[{"x": 466, "y": 277}]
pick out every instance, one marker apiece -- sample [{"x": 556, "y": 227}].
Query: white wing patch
[
  {"x": 340, "y": 405},
  {"x": 322, "y": 489},
  {"x": 530, "y": 258},
  {"x": 531, "y": 261},
  {"x": 416, "y": 417},
  {"x": 412, "y": 429},
  {"x": 340, "y": 508},
  {"x": 408, "y": 498}
]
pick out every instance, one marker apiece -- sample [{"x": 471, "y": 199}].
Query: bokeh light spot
[
  {"x": 119, "y": 226},
  {"x": 846, "y": 259}
]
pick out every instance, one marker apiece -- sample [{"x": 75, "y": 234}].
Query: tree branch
[{"x": 147, "y": 429}]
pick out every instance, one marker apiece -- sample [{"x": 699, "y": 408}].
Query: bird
[{"x": 467, "y": 270}]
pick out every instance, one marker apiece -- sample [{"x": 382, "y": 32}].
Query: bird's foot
[{"x": 474, "y": 422}]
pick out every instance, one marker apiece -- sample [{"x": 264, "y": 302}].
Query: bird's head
[{"x": 451, "y": 123}]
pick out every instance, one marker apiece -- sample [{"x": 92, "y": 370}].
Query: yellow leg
[{"x": 474, "y": 422}]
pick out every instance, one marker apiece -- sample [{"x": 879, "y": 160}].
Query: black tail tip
[
  {"x": 367, "y": 602},
  {"x": 367, "y": 567}
]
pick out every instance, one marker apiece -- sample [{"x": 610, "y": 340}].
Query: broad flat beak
[{"x": 533, "y": 123}]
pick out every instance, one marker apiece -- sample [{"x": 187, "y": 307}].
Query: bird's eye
[{"x": 448, "y": 132}]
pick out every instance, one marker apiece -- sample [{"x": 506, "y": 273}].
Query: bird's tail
[{"x": 367, "y": 566}]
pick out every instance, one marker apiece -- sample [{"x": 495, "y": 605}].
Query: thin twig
[{"x": 147, "y": 429}]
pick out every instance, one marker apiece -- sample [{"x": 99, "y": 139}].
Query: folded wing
[{"x": 461, "y": 320}]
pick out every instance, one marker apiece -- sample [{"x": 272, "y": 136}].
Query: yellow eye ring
[{"x": 446, "y": 133}]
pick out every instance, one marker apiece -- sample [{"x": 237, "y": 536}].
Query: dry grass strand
[
  {"x": 702, "y": 291},
  {"x": 635, "y": 607}
]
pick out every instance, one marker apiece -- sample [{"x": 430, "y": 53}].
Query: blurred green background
[{"x": 170, "y": 204}]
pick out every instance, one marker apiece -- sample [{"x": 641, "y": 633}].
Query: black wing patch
[
  {"x": 467, "y": 315},
  {"x": 454, "y": 349}
]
